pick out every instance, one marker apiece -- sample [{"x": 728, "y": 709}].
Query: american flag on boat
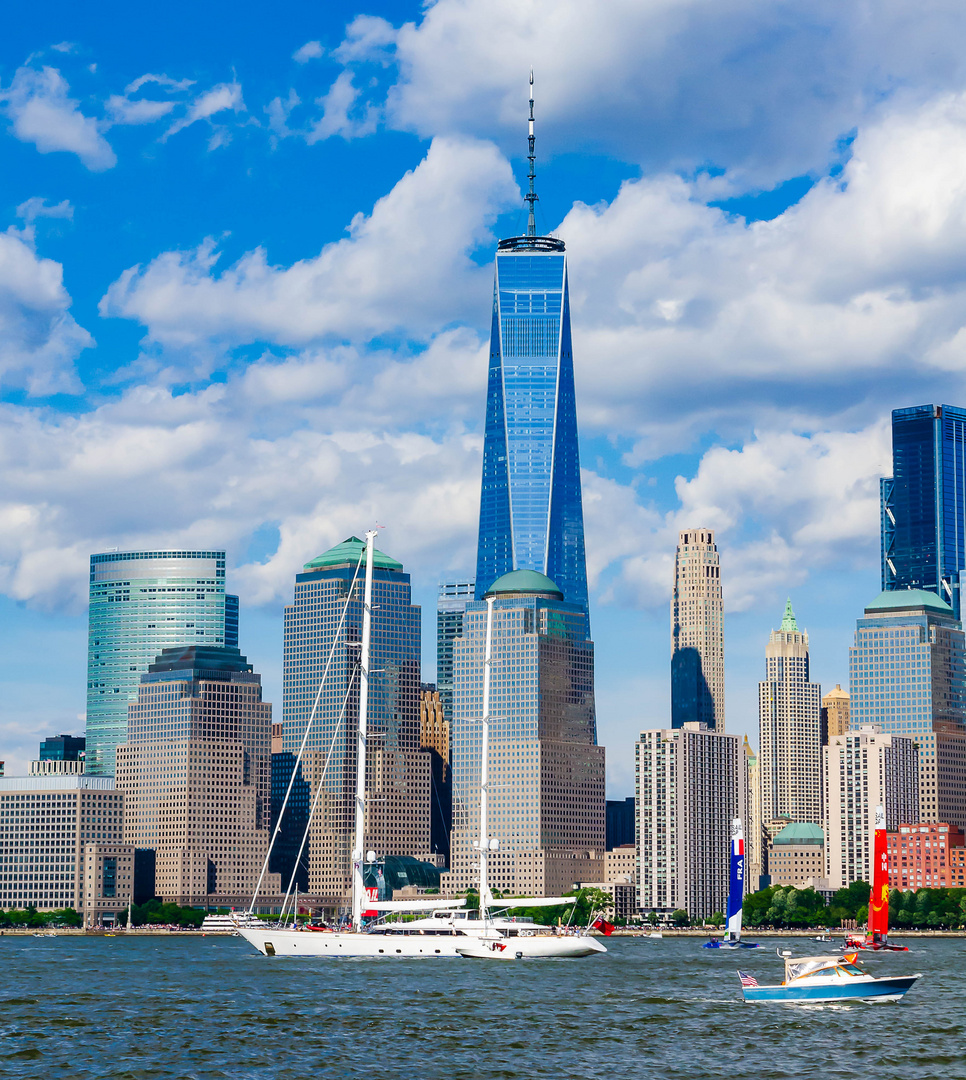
[{"x": 747, "y": 980}]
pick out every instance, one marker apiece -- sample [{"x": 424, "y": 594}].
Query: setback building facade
[
  {"x": 789, "y": 726},
  {"x": 697, "y": 633},
  {"x": 546, "y": 771},
  {"x": 923, "y": 503},
  {"x": 452, "y": 597},
  {"x": 835, "y": 713},
  {"x": 865, "y": 768},
  {"x": 907, "y": 675},
  {"x": 140, "y": 603},
  {"x": 196, "y": 773},
  {"x": 691, "y": 783},
  {"x": 398, "y": 780}
]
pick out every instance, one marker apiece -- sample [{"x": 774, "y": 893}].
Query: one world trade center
[{"x": 531, "y": 516}]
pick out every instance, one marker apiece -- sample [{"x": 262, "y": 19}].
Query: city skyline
[{"x": 255, "y": 298}]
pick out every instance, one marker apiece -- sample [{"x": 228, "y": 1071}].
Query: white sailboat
[{"x": 446, "y": 929}]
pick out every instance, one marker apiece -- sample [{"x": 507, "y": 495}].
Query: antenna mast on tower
[{"x": 531, "y": 195}]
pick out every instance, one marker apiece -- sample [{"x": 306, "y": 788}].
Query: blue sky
[{"x": 245, "y": 274}]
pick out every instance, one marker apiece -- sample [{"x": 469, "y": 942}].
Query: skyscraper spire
[
  {"x": 789, "y": 622},
  {"x": 531, "y": 195}
]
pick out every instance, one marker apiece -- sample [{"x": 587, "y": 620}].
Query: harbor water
[{"x": 210, "y": 1007}]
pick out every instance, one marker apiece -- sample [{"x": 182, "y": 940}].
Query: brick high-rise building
[
  {"x": 691, "y": 784},
  {"x": 546, "y": 771},
  {"x": 789, "y": 726},
  {"x": 398, "y": 779},
  {"x": 196, "y": 773},
  {"x": 865, "y": 768},
  {"x": 925, "y": 856},
  {"x": 697, "y": 633}
]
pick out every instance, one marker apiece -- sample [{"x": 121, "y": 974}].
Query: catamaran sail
[
  {"x": 877, "y": 927},
  {"x": 736, "y": 893}
]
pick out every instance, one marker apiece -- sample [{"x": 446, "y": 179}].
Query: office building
[
  {"x": 288, "y": 840},
  {"x": 691, "y": 783},
  {"x": 865, "y": 768},
  {"x": 789, "y": 728},
  {"x": 546, "y": 771},
  {"x": 435, "y": 741},
  {"x": 907, "y": 675},
  {"x": 452, "y": 597},
  {"x": 796, "y": 856},
  {"x": 398, "y": 771},
  {"x": 140, "y": 603},
  {"x": 835, "y": 713},
  {"x": 923, "y": 503},
  {"x": 531, "y": 516},
  {"x": 62, "y": 748},
  {"x": 923, "y": 856},
  {"x": 195, "y": 773},
  {"x": 61, "y": 845},
  {"x": 697, "y": 633}
]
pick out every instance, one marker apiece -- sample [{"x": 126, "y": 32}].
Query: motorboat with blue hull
[{"x": 814, "y": 979}]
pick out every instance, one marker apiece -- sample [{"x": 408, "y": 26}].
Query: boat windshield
[{"x": 850, "y": 969}]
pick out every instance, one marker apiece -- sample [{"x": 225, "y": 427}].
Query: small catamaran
[
  {"x": 877, "y": 927},
  {"x": 736, "y": 892}
]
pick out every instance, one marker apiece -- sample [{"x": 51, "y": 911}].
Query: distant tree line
[
  {"x": 785, "y": 907},
  {"x": 32, "y": 919}
]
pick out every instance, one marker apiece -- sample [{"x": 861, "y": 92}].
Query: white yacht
[
  {"x": 229, "y": 923},
  {"x": 445, "y": 930}
]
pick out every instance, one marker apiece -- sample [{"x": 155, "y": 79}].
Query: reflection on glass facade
[
  {"x": 923, "y": 503},
  {"x": 142, "y": 602},
  {"x": 530, "y": 509},
  {"x": 452, "y": 598}
]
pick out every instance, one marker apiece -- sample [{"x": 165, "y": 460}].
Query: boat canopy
[
  {"x": 534, "y": 901},
  {"x": 415, "y": 905},
  {"x": 805, "y": 965}
]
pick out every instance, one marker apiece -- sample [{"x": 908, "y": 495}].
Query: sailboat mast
[
  {"x": 358, "y": 886},
  {"x": 484, "y": 760}
]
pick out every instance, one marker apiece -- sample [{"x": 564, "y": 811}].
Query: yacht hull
[
  {"x": 530, "y": 948},
  {"x": 272, "y": 942}
]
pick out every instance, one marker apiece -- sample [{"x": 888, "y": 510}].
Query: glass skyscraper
[
  {"x": 140, "y": 603},
  {"x": 531, "y": 516},
  {"x": 452, "y": 598},
  {"x": 923, "y": 503},
  {"x": 907, "y": 676}
]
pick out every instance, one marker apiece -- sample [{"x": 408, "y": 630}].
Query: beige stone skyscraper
[
  {"x": 697, "y": 633},
  {"x": 835, "y": 713},
  {"x": 754, "y": 831},
  {"x": 195, "y": 773},
  {"x": 789, "y": 719}
]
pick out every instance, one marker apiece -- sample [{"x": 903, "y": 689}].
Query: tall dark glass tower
[
  {"x": 531, "y": 517},
  {"x": 923, "y": 503}
]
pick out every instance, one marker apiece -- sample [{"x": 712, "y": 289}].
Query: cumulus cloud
[
  {"x": 40, "y": 111},
  {"x": 761, "y": 90},
  {"x": 311, "y": 50},
  {"x": 39, "y": 339},
  {"x": 405, "y": 268},
  {"x": 337, "y": 105}
]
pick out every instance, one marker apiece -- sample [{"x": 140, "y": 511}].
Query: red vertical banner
[
  {"x": 879, "y": 896},
  {"x": 372, "y": 893}
]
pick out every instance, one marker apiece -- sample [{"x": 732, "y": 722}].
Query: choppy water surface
[{"x": 211, "y": 1007}]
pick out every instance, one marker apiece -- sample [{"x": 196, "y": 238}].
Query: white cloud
[
  {"x": 403, "y": 269},
  {"x": 279, "y": 111},
  {"x": 311, "y": 50},
  {"x": 164, "y": 81},
  {"x": 122, "y": 110},
  {"x": 41, "y": 112},
  {"x": 39, "y": 340},
  {"x": 337, "y": 104},
  {"x": 221, "y": 98},
  {"x": 36, "y": 207},
  {"x": 367, "y": 37}
]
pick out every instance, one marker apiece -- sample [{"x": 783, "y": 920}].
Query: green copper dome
[
  {"x": 789, "y": 622},
  {"x": 347, "y": 554},
  {"x": 524, "y": 581},
  {"x": 800, "y": 832},
  {"x": 903, "y": 599}
]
